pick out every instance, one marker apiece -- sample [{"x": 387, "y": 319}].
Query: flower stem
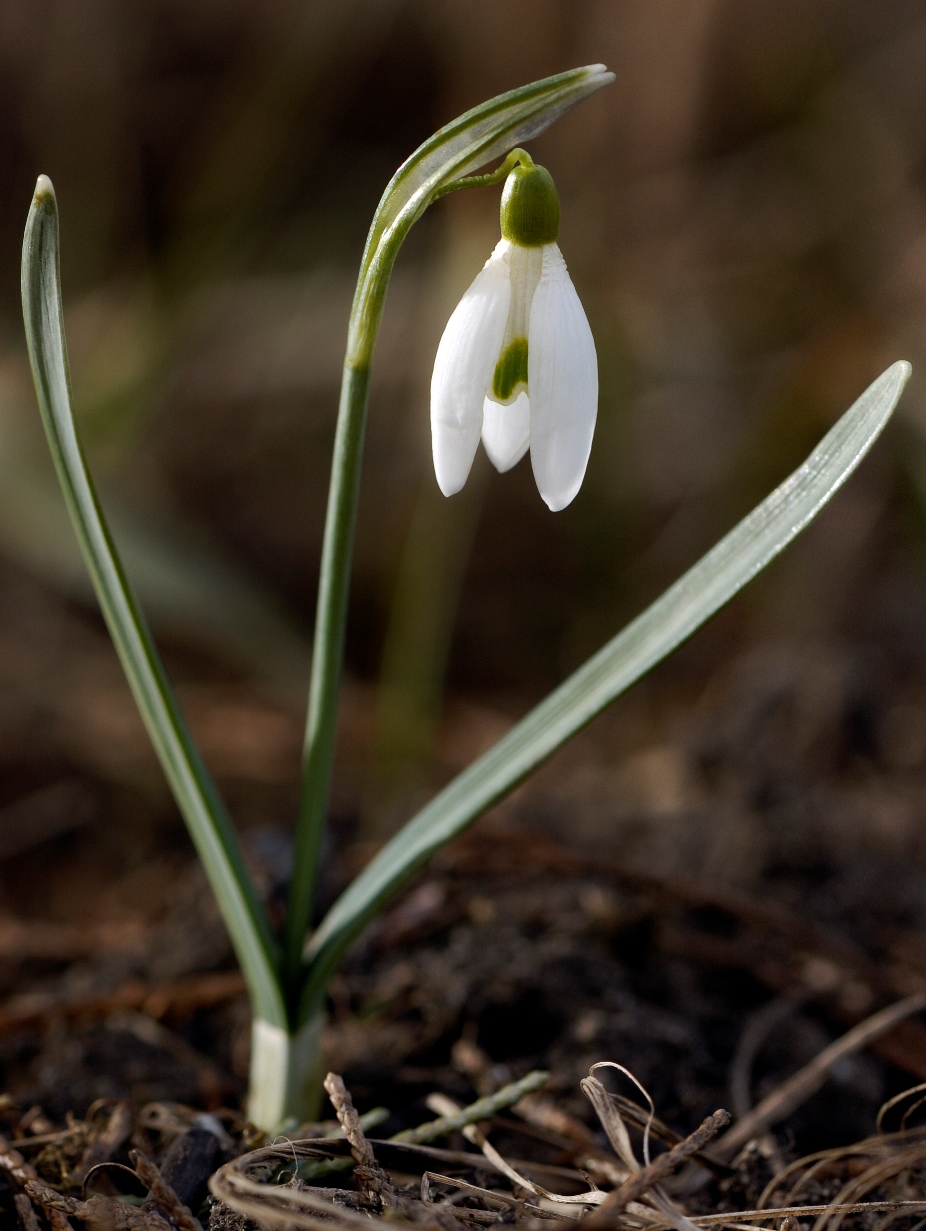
[
  {"x": 472, "y": 140},
  {"x": 327, "y": 656},
  {"x": 334, "y": 576},
  {"x": 516, "y": 157}
]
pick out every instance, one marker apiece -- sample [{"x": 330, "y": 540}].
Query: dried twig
[
  {"x": 638, "y": 1183},
  {"x": 373, "y": 1180},
  {"x": 759, "y": 1026},
  {"x": 99, "y": 1213},
  {"x": 104, "y": 1143},
  {"x": 26, "y": 1212},
  {"x": 177, "y": 1214},
  {"x": 791, "y": 1093},
  {"x": 503, "y": 1199},
  {"x": 283, "y": 1207},
  {"x": 24, "y": 1174}
]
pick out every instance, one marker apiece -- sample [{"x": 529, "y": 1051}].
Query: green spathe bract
[
  {"x": 529, "y": 212},
  {"x": 287, "y": 992}
]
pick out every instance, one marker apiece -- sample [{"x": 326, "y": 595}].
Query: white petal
[
  {"x": 506, "y": 431},
  {"x": 463, "y": 368},
  {"x": 563, "y": 382}
]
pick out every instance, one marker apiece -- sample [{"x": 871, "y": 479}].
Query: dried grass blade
[
  {"x": 791, "y": 1093},
  {"x": 611, "y": 1121},
  {"x": 616, "y": 1132},
  {"x": 478, "y": 1138},
  {"x": 803, "y": 1211},
  {"x": 511, "y": 1203},
  {"x": 857, "y": 1187},
  {"x": 647, "y": 1177}
]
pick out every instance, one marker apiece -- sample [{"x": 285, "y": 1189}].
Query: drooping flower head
[{"x": 516, "y": 365}]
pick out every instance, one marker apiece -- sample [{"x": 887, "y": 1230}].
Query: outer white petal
[
  {"x": 463, "y": 369},
  {"x": 563, "y": 382},
  {"x": 506, "y": 431}
]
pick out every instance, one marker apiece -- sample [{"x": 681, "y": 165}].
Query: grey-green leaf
[
  {"x": 692, "y": 600},
  {"x": 190, "y": 782}
]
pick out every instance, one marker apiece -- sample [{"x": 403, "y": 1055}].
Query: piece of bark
[
  {"x": 169, "y": 1204},
  {"x": 26, "y": 1212},
  {"x": 188, "y": 1164}
]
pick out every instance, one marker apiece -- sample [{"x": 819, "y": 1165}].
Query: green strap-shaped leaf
[
  {"x": 705, "y": 588},
  {"x": 189, "y": 779}
]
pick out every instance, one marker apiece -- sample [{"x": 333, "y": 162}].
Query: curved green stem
[
  {"x": 492, "y": 177},
  {"x": 438, "y": 166}
]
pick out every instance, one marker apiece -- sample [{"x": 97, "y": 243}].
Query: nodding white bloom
[{"x": 516, "y": 366}]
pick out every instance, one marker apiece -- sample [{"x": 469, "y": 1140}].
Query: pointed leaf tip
[{"x": 601, "y": 71}]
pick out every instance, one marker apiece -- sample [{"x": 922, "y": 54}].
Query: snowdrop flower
[{"x": 516, "y": 365}]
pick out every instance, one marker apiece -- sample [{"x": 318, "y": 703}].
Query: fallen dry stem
[
  {"x": 26, "y": 1212},
  {"x": 806, "y": 1081},
  {"x": 99, "y": 1213},
  {"x": 482, "y": 1109},
  {"x": 25, "y": 1174},
  {"x": 509, "y": 1202},
  {"x": 641, "y": 1181},
  {"x": 801, "y": 1211},
  {"x": 104, "y": 1143},
  {"x": 373, "y": 1180}
]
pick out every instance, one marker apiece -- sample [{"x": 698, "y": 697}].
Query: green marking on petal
[{"x": 511, "y": 370}]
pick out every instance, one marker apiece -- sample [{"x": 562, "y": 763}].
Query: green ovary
[{"x": 511, "y": 370}]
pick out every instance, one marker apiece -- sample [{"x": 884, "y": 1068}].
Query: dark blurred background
[{"x": 744, "y": 216}]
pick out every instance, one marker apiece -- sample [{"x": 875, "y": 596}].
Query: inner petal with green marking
[{"x": 510, "y": 371}]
